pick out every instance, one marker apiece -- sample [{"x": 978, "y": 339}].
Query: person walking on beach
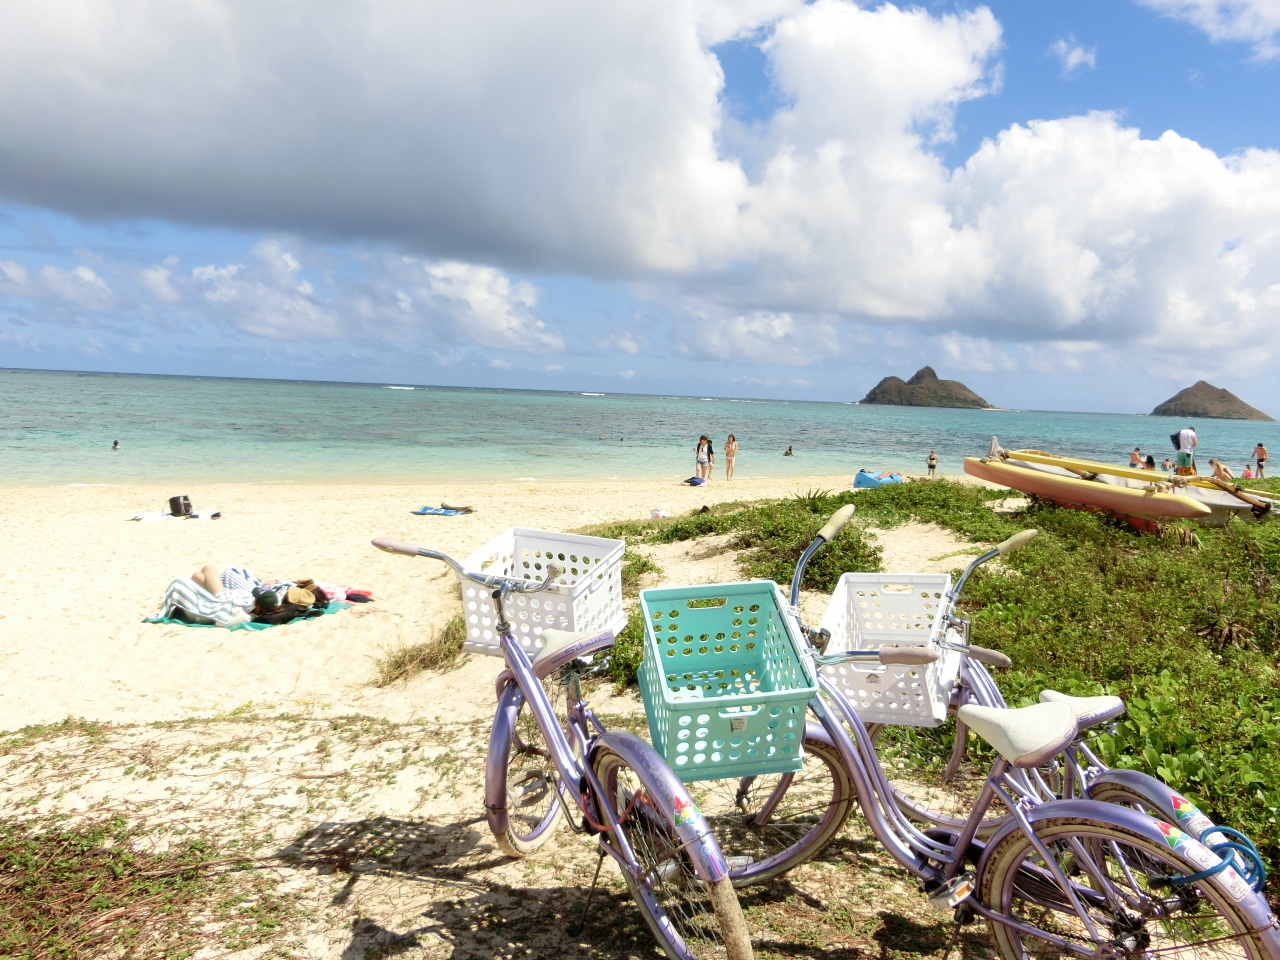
[
  {"x": 730, "y": 451},
  {"x": 1260, "y": 454},
  {"x": 1187, "y": 442},
  {"x": 1135, "y": 458},
  {"x": 704, "y": 455},
  {"x": 932, "y": 463}
]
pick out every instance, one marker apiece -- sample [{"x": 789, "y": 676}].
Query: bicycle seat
[
  {"x": 561, "y": 646},
  {"x": 1089, "y": 711},
  {"x": 1026, "y": 737}
]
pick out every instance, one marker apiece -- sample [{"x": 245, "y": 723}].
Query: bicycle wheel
[
  {"x": 1148, "y": 918},
  {"x": 811, "y": 807},
  {"x": 533, "y": 805},
  {"x": 917, "y": 771},
  {"x": 691, "y": 919}
]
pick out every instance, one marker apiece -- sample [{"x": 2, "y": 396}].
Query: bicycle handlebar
[
  {"x": 908, "y": 656},
  {"x": 992, "y": 658},
  {"x": 836, "y": 523},
  {"x": 396, "y": 546},
  {"x": 1018, "y": 540},
  {"x": 553, "y": 570}
]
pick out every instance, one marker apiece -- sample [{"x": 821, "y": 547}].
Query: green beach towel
[{"x": 332, "y": 608}]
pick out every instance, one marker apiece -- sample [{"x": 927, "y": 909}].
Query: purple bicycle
[
  {"x": 549, "y": 754},
  {"x": 1052, "y": 876}
]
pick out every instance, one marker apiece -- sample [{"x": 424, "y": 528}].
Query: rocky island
[
  {"x": 924, "y": 390},
  {"x": 1204, "y": 400}
]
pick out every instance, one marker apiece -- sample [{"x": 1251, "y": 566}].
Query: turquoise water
[{"x": 57, "y": 428}]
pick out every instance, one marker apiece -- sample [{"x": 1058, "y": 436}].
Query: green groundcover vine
[{"x": 1185, "y": 626}]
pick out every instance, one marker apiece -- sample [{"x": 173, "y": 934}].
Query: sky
[{"x": 1065, "y": 205}]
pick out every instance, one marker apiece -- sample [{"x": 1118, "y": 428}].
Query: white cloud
[
  {"x": 1073, "y": 56},
  {"x": 626, "y": 374},
  {"x": 158, "y": 281},
  {"x": 589, "y": 139},
  {"x": 1255, "y": 22},
  {"x": 489, "y": 309}
]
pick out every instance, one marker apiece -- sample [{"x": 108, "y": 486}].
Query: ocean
[{"x": 58, "y": 427}]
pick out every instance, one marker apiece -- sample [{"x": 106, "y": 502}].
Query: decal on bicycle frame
[
  {"x": 686, "y": 812},
  {"x": 1204, "y": 858},
  {"x": 1189, "y": 815}
]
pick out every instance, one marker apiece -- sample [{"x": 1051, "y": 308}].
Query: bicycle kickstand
[{"x": 582, "y": 921}]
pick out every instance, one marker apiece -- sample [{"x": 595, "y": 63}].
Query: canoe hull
[{"x": 1138, "y": 503}]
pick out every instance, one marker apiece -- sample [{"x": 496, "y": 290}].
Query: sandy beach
[{"x": 82, "y": 578}]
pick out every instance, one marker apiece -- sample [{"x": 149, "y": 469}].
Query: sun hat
[{"x": 300, "y": 596}]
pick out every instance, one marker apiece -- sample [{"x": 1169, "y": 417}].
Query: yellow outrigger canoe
[{"x": 1124, "y": 490}]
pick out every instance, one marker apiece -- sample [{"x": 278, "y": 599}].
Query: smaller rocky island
[
  {"x": 1204, "y": 400},
  {"x": 924, "y": 390}
]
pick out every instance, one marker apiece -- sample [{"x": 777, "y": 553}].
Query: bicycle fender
[
  {"x": 671, "y": 797},
  {"x": 1173, "y": 806},
  {"x": 495, "y": 788},
  {"x": 1196, "y": 855}
]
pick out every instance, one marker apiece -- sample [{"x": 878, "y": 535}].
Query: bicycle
[
  {"x": 1076, "y": 773},
  {"x": 542, "y": 763},
  {"x": 1072, "y": 876}
]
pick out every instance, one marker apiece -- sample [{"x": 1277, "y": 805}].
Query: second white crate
[
  {"x": 872, "y": 610},
  {"x": 587, "y": 594}
]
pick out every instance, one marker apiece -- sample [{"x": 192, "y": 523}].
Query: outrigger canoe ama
[{"x": 1090, "y": 493}]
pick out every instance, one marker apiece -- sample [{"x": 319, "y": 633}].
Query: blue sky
[{"x": 576, "y": 202}]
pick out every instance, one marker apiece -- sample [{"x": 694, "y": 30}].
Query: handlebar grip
[
  {"x": 911, "y": 656},
  {"x": 395, "y": 546},
  {"x": 992, "y": 658},
  {"x": 836, "y": 523},
  {"x": 1016, "y": 541},
  {"x": 553, "y": 570}
]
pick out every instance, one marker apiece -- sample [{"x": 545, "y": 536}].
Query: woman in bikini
[{"x": 730, "y": 451}]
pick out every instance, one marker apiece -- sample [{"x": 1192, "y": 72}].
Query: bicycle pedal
[{"x": 952, "y": 893}]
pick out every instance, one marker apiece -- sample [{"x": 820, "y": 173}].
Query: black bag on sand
[{"x": 180, "y": 506}]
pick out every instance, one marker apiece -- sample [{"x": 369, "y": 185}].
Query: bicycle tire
[
  {"x": 1013, "y": 882},
  {"x": 533, "y": 812},
  {"x": 691, "y": 919},
  {"x": 814, "y": 806}
]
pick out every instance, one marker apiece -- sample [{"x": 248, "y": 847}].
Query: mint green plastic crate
[{"x": 724, "y": 686}]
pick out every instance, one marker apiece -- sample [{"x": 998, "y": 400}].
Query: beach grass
[{"x": 442, "y": 652}]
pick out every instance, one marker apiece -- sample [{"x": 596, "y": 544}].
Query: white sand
[{"x": 81, "y": 578}]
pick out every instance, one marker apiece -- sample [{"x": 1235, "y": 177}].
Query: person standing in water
[
  {"x": 115, "y": 444},
  {"x": 1135, "y": 458},
  {"x": 1260, "y": 454},
  {"x": 730, "y": 451},
  {"x": 932, "y": 463}
]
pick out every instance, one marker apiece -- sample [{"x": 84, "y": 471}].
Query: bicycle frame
[{"x": 588, "y": 733}]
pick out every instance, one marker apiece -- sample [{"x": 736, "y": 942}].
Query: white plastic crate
[
  {"x": 587, "y": 595},
  {"x": 873, "y": 610}
]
